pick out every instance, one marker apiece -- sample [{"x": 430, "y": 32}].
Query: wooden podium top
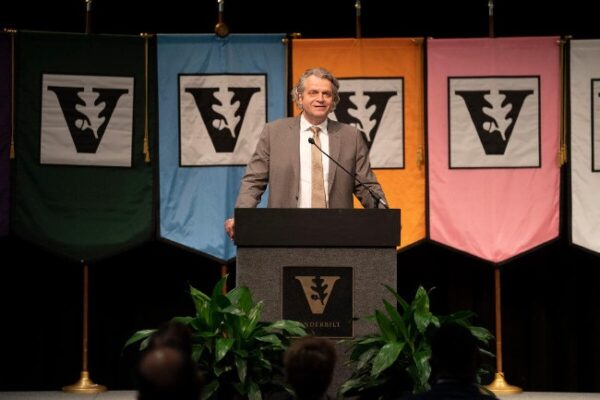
[{"x": 317, "y": 227}]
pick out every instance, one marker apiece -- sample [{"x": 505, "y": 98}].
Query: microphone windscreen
[{"x": 311, "y": 140}]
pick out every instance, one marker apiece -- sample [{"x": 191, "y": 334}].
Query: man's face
[{"x": 316, "y": 99}]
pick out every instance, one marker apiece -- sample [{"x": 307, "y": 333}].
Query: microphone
[{"x": 378, "y": 199}]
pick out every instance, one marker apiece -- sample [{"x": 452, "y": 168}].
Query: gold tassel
[
  {"x": 562, "y": 152},
  {"x": 420, "y": 158},
  {"x": 146, "y": 148},
  {"x": 421, "y": 146}
]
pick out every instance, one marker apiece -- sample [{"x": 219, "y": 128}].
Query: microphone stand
[{"x": 378, "y": 199}]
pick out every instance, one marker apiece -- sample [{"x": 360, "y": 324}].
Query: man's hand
[{"x": 230, "y": 227}]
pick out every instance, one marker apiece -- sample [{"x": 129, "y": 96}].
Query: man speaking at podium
[{"x": 310, "y": 161}]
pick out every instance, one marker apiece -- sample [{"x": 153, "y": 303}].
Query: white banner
[{"x": 585, "y": 143}]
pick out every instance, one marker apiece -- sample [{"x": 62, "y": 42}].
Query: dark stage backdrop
[
  {"x": 312, "y": 18},
  {"x": 551, "y": 310},
  {"x": 551, "y": 303}
]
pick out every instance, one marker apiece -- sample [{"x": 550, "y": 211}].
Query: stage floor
[{"x": 131, "y": 395}]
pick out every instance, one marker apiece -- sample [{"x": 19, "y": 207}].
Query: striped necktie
[{"x": 318, "y": 185}]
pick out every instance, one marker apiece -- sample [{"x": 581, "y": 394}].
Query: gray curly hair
[{"x": 319, "y": 73}]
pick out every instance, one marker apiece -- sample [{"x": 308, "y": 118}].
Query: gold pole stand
[
  {"x": 499, "y": 385},
  {"x": 224, "y": 271},
  {"x": 84, "y": 384}
]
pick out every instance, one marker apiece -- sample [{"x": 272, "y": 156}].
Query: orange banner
[{"x": 395, "y": 121}]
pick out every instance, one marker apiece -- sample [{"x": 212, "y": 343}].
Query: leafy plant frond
[
  {"x": 223, "y": 345},
  {"x": 294, "y": 328},
  {"x": 242, "y": 297},
  {"x": 401, "y": 302},
  {"x": 395, "y": 358},
  {"x": 481, "y": 333},
  {"x": 236, "y": 350},
  {"x": 385, "y": 326},
  {"x": 386, "y": 356},
  {"x": 139, "y": 335},
  {"x": 423, "y": 317}
]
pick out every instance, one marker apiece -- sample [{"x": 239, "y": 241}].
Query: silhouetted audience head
[
  {"x": 172, "y": 334},
  {"x": 309, "y": 364},
  {"x": 166, "y": 370},
  {"x": 167, "y": 373},
  {"x": 454, "y": 354}
]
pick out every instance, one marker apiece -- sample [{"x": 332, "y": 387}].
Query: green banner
[{"x": 83, "y": 188}]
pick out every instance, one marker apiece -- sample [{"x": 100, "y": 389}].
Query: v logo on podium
[
  {"x": 317, "y": 290},
  {"x": 319, "y": 297}
]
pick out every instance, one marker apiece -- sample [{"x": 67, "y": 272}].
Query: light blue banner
[{"x": 196, "y": 200}]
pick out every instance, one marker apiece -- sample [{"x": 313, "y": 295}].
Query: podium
[{"x": 323, "y": 267}]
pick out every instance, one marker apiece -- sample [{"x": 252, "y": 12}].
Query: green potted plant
[
  {"x": 395, "y": 359},
  {"x": 239, "y": 355}
]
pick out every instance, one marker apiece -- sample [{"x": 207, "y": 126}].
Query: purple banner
[{"x": 5, "y": 130}]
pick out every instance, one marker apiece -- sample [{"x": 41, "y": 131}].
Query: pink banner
[{"x": 493, "y": 114}]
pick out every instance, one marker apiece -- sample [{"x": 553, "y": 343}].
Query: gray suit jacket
[{"x": 276, "y": 162}]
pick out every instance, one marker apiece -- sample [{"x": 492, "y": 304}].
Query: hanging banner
[
  {"x": 215, "y": 96},
  {"x": 381, "y": 93},
  {"x": 493, "y": 139},
  {"x": 83, "y": 189},
  {"x": 585, "y": 144}
]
